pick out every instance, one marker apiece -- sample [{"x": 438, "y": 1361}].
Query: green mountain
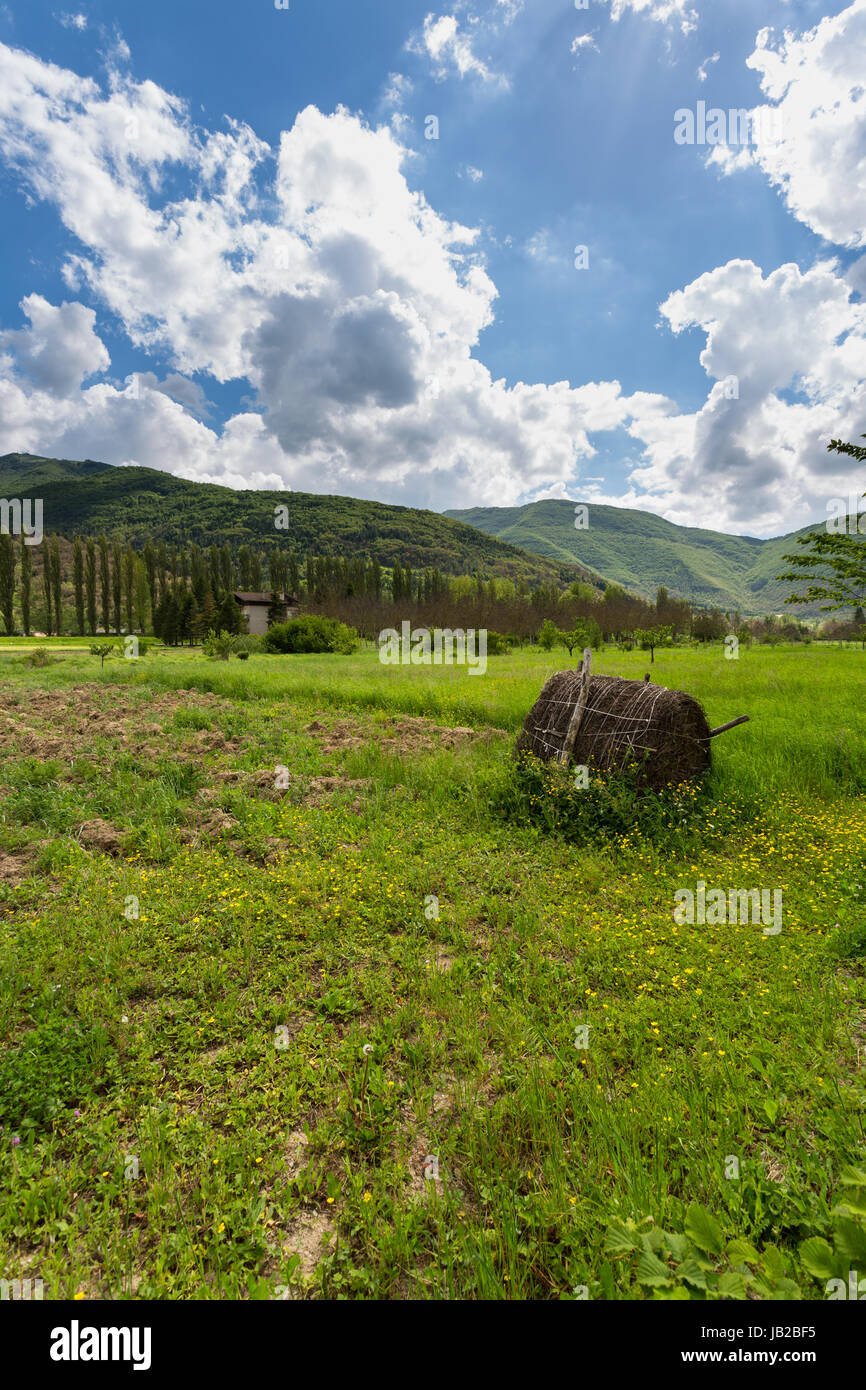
[
  {"x": 144, "y": 504},
  {"x": 642, "y": 551}
]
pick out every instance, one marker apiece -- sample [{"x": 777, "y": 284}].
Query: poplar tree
[
  {"x": 78, "y": 584},
  {"x": 46, "y": 585},
  {"x": 26, "y": 564},
  {"x": 116, "y": 582},
  {"x": 104, "y": 583},
  {"x": 56, "y": 584},
  {"x": 141, "y": 594},
  {"x": 7, "y": 580},
  {"x": 150, "y": 571},
  {"x": 128, "y": 584},
  {"x": 90, "y": 584}
]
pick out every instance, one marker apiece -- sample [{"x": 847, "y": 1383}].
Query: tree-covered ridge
[
  {"x": 144, "y": 505},
  {"x": 642, "y": 551}
]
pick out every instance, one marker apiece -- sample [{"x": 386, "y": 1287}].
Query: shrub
[
  {"x": 613, "y": 804},
  {"x": 39, "y": 658},
  {"x": 497, "y": 644},
  {"x": 219, "y": 645},
  {"x": 311, "y": 634}
]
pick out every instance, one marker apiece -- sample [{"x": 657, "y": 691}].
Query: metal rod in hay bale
[{"x": 577, "y": 716}]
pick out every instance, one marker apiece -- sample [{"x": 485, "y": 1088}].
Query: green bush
[
  {"x": 497, "y": 644},
  {"x": 554, "y": 798},
  {"x": 219, "y": 645},
  {"x": 40, "y": 658},
  {"x": 311, "y": 634}
]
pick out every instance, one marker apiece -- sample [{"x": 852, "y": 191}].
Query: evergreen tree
[
  {"x": 208, "y": 619},
  {"x": 78, "y": 584},
  {"x": 229, "y": 615},
  {"x": 190, "y": 617},
  {"x": 26, "y": 563},
  {"x": 197, "y": 574},
  {"x": 276, "y": 610},
  {"x": 90, "y": 583},
  {"x": 170, "y": 619}
]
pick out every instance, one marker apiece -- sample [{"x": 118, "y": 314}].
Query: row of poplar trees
[{"x": 181, "y": 593}]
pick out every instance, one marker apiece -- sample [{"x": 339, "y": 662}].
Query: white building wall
[{"x": 257, "y": 614}]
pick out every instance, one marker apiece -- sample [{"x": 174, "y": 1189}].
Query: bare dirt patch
[
  {"x": 307, "y": 1238},
  {"x": 99, "y": 835},
  {"x": 313, "y": 791},
  {"x": 296, "y": 1152},
  {"x": 66, "y": 723},
  {"x": 15, "y": 866},
  {"x": 210, "y": 824},
  {"x": 402, "y": 735}
]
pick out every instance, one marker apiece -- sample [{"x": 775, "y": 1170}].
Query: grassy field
[{"x": 368, "y": 1027}]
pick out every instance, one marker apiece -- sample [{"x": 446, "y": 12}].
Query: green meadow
[{"x": 304, "y": 995}]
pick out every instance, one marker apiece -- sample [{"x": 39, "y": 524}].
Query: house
[{"x": 254, "y": 607}]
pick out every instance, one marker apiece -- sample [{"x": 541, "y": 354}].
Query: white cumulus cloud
[{"x": 816, "y": 91}]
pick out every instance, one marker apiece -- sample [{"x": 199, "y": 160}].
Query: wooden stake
[
  {"x": 732, "y": 724},
  {"x": 577, "y": 715}
]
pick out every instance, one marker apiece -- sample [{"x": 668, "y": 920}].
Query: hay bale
[{"x": 665, "y": 731}]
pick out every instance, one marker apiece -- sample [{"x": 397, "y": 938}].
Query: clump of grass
[
  {"x": 39, "y": 659},
  {"x": 613, "y": 804},
  {"x": 849, "y": 942}
]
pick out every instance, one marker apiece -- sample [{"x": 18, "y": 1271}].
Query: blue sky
[{"x": 147, "y": 314}]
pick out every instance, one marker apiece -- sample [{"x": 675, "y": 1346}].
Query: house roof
[{"x": 243, "y": 597}]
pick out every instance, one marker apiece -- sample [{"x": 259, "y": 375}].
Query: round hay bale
[{"x": 664, "y": 731}]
